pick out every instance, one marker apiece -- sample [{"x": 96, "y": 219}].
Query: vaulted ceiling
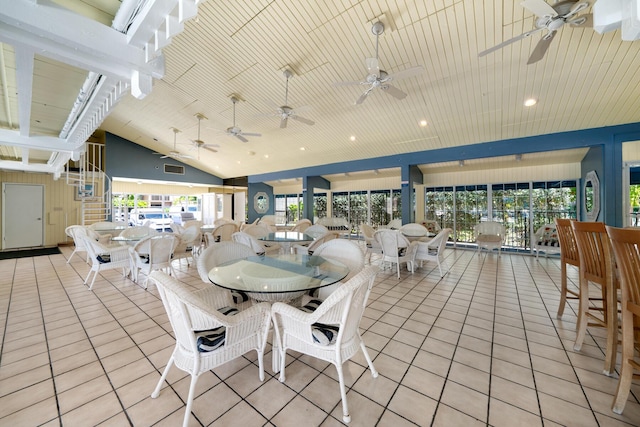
[{"x": 241, "y": 48}]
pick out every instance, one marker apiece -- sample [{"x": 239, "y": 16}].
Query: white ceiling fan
[
  {"x": 235, "y": 130},
  {"x": 285, "y": 112},
  {"x": 380, "y": 79},
  {"x": 550, "y": 18},
  {"x": 198, "y": 143},
  {"x": 175, "y": 154}
]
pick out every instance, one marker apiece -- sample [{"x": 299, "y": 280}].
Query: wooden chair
[
  {"x": 568, "y": 255},
  {"x": 597, "y": 267},
  {"x": 626, "y": 247}
]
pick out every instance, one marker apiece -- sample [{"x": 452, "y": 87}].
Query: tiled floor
[{"x": 482, "y": 346}]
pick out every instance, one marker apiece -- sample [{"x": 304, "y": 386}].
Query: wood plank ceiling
[{"x": 586, "y": 80}]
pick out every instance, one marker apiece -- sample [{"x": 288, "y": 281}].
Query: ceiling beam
[
  {"x": 37, "y": 142},
  {"x": 70, "y": 38},
  {"x": 24, "y": 78}
]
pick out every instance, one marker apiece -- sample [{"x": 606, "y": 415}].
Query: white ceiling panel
[{"x": 586, "y": 80}]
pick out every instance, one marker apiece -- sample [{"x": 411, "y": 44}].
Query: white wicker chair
[
  {"x": 139, "y": 231},
  {"x": 218, "y": 254},
  {"x": 105, "y": 257},
  {"x": 256, "y": 246},
  {"x": 373, "y": 247},
  {"x": 316, "y": 231},
  {"x": 414, "y": 231},
  {"x": 311, "y": 247},
  {"x": 153, "y": 253},
  {"x": 189, "y": 243},
  {"x": 301, "y": 225},
  {"x": 489, "y": 235},
  {"x": 546, "y": 240},
  {"x": 257, "y": 230},
  {"x": 76, "y": 232},
  {"x": 396, "y": 248},
  {"x": 223, "y": 232},
  {"x": 176, "y": 228},
  {"x": 295, "y": 329},
  {"x": 203, "y": 311},
  {"x": 433, "y": 250},
  {"x": 344, "y": 251}
]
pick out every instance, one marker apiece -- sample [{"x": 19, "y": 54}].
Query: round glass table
[
  {"x": 280, "y": 278},
  {"x": 286, "y": 239}
]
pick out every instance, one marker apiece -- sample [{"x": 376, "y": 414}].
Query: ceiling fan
[
  {"x": 285, "y": 112},
  {"x": 380, "y": 79},
  {"x": 175, "y": 154},
  {"x": 235, "y": 130},
  {"x": 550, "y": 18},
  {"x": 198, "y": 143}
]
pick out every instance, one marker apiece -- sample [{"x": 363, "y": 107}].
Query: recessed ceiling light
[
  {"x": 266, "y": 156},
  {"x": 303, "y": 148},
  {"x": 423, "y": 123},
  {"x": 352, "y": 138},
  {"x": 530, "y": 102}
]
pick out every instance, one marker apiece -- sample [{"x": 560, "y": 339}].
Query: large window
[
  {"x": 288, "y": 208},
  {"x": 470, "y": 209},
  {"x": 319, "y": 205},
  {"x": 521, "y": 207}
]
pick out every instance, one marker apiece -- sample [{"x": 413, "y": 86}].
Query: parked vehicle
[{"x": 156, "y": 217}]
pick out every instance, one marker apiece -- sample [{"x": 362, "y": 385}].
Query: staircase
[{"x": 93, "y": 186}]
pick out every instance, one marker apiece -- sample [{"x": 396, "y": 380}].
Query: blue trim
[{"x": 532, "y": 144}]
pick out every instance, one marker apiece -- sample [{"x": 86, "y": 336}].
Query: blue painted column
[
  {"x": 309, "y": 183},
  {"x": 410, "y": 175}
]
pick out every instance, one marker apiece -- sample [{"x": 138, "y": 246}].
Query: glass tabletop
[
  {"x": 286, "y": 237},
  {"x": 261, "y": 276}
]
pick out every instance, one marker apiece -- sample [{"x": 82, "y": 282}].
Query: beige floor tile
[
  {"x": 37, "y": 414},
  {"x": 412, "y": 405},
  {"x": 447, "y": 416},
  {"x": 297, "y": 413},
  {"x": 83, "y": 393},
  {"x": 24, "y": 379},
  {"x": 514, "y": 394},
  {"x": 564, "y": 412},
  {"x": 94, "y": 412},
  {"x": 25, "y": 398},
  {"x": 271, "y": 397}
]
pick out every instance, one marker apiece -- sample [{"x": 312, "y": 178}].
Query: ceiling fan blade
[
  {"x": 372, "y": 66},
  {"x": 539, "y": 8},
  {"x": 251, "y": 134},
  {"x": 393, "y": 91},
  {"x": 541, "y": 48},
  {"x": 409, "y": 72},
  {"x": 576, "y": 8},
  {"x": 584, "y": 21},
  {"x": 241, "y": 138},
  {"x": 303, "y": 120},
  {"x": 508, "y": 42},
  {"x": 363, "y": 97},
  {"x": 283, "y": 122},
  {"x": 213, "y": 150}
]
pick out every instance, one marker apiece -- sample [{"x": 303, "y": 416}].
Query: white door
[{"x": 22, "y": 214}]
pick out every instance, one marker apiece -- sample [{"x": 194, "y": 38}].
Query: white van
[{"x": 159, "y": 220}]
